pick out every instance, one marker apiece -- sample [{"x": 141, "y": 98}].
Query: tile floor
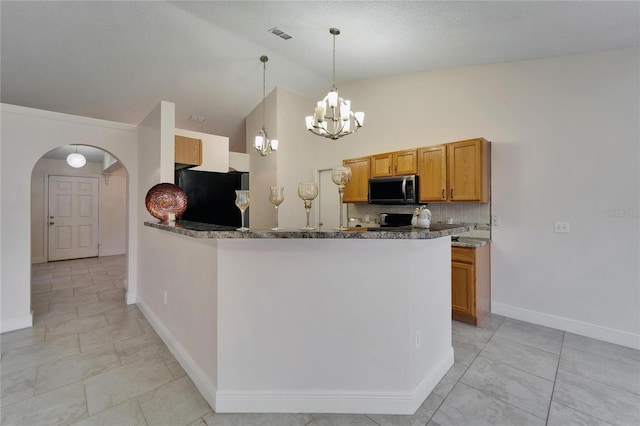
[{"x": 91, "y": 360}]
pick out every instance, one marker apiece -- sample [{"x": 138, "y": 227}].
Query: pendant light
[
  {"x": 262, "y": 143},
  {"x": 76, "y": 160},
  {"x": 336, "y": 123}
]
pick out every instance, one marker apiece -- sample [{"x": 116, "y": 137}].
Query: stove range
[{"x": 395, "y": 220}]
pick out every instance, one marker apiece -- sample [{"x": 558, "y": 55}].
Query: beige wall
[{"x": 564, "y": 135}]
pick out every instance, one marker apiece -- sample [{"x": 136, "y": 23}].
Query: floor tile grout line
[
  {"x": 531, "y": 346},
  {"x": 519, "y": 369},
  {"x": 555, "y": 379}
]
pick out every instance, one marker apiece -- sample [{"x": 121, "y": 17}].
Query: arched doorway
[{"x": 70, "y": 266}]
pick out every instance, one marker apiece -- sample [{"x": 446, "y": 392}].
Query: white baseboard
[
  {"x": 113, "y": 252},
  {"x": 566, "y": 324},
  {"x": 16, "y": 323},
  {"x": 406, "y": 403},
  {"x": 39, "y": 259},
  {"x": 199, "y": 378}
]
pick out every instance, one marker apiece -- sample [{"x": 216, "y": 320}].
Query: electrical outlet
[
  {"x": 495, "y": 220},
  {"x": 561, "y": 227},
  {"x": 418, "y": 339},
  {"x": 164, "y": 297}
]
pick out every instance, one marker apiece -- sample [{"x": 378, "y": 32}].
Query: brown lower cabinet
[{"x": 470, "y": 283}]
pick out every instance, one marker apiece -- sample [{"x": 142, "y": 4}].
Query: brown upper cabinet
[
  {"x": 432, "y": 168},
  {"x": 395, "y": 163},
  {"x": 357, "y": 191},
  {"x": 457, "y": 171},
  {"x": 468, "y": 170},
  {"x": 188, "y": 152}
]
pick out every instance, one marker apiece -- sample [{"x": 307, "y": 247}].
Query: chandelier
[
  {"x": 336, "y": 123},
  {"x": 263, "y": 144}
]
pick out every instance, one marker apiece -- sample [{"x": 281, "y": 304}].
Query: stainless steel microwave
[{"x": 394, "y": 190}]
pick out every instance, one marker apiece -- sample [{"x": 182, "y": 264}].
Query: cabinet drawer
[{"x": 463, "y": 254}]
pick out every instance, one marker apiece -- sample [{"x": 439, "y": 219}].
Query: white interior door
[
  {"x": 73, "y": 217},
  {"x": 328, "y": 201}
]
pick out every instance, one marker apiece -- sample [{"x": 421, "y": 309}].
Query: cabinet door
[
  {"x": 433, "y": 173},
  {"x": 188, "y": 151},
  {"x": 405, "y": 162},
  {"x": 381, "y": 165},
  {"x": 467, "y": 171},
  {"x": 357, "y": 191},
  {"x": 462, "y": 288}
]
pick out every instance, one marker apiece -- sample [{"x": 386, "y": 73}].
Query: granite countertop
[{"x": 204, "y": 230}]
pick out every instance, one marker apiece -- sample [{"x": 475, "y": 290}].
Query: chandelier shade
[
  {"x": 262, "y": 143},
  {"x": 332, "y": 117}
]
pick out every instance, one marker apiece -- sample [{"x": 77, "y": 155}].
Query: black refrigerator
[{"x": 211, "y": 196}]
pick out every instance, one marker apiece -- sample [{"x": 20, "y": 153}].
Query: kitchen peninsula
[{"x": 294, "y": 321}]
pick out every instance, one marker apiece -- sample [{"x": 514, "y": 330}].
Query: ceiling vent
[{"x": 279, "y": 33}]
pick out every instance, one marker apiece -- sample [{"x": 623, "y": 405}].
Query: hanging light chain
[
  {"x": 264, "y": 60},
  {"x": 335, "y": 32}
]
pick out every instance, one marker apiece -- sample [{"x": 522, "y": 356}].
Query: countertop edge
[
  {"x": 391, "y": 234},
  {"x": 470, "y": 242}
]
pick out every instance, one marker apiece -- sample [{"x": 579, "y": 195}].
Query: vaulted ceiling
[{"x": 117, "y": 60}]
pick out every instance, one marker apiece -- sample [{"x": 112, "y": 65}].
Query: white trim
[
  {"x": 130, "y": 296},
  {"x": 38, "y": 259},
  {"x": 16, "y": 323},
  {"x": 199, "y": 378},
  {"x": 566, "y": 324},
  {"x": 406, "y": 403},
  {"x": 50, "y": 115}
]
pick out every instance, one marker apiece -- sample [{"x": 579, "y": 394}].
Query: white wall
[
  {"x": 26, "y": 135},
  {"x": 239, "y": 161},
  {"x": 565, "y": 148},
  {"x": 113, "y": 213}
]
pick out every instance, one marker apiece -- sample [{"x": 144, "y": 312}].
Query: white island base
[{"x": 303, "y": 325}]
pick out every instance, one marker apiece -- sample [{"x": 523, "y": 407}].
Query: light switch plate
[
  {"x": 561, "y": 227},
  {"x": 495, "y": 220}
]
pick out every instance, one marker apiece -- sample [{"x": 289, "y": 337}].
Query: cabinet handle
[
  {"x": 452, "y": 193},
  {"x": 389, "y": 172},
  {"x": 443, "y": 193},
  {"x": 396, "y": 169}
]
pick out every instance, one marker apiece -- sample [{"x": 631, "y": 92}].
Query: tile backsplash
[{"x": 477, "y": 215}]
